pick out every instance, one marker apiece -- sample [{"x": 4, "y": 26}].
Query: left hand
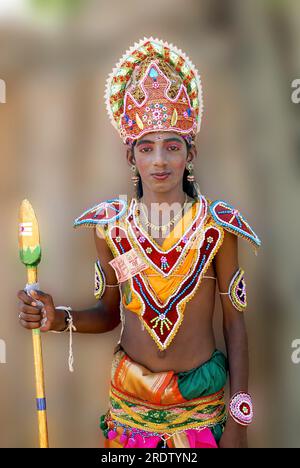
[{"x": 234, "y": 435}]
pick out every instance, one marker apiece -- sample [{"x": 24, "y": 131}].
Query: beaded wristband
[{"x": 241, "y": 408}]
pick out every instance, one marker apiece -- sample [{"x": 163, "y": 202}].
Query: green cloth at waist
[{"x": 206, "y": 379}]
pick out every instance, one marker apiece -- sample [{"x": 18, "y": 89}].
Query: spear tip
[{"x": 29, "y": 239}]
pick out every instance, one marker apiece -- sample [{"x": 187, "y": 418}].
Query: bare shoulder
[
  {"x": 229, "y": 247},
  {"x": 226, "y": 260}
]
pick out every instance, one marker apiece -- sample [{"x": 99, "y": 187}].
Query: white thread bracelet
[{"x": 71, "y": 327}]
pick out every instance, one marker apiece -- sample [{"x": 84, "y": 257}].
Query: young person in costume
[{"x": 159, "y": 278}]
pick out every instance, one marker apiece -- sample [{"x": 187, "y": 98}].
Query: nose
[{"x": 159, "y": 158}]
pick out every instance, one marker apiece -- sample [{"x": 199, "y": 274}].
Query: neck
[{"x": 175, "y": 196}]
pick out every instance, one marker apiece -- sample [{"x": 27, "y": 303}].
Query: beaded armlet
[{"x": 237, "y": 290}]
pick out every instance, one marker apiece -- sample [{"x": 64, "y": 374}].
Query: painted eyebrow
[
  {"x": 166, "y": 140},
  {"x": 141, "y": 142},
  {"x": 173, "y": 139}
]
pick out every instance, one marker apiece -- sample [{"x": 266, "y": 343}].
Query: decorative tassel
[
  {"x": 102, "y": 423},
  {"x": 112, "y": 434},
  {"x": 123, "y": 438},
  {"x": 131, "y": 443}
]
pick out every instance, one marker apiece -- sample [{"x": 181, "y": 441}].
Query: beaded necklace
[
  {"x": 162, "y": 227},
  {"x": 165, "y": 261}
]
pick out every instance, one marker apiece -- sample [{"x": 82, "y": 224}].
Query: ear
[
  {"x": 192, "y": 153},
  {"x": 130, "y": 156}
]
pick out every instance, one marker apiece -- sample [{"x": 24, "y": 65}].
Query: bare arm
[
  {"x": 102, "y": 317},
  {"x": 234, "y": 328}
]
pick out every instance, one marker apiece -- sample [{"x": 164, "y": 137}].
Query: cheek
[
  {"x": 178, "y": 164},
  {"x": 142, "y": 165}
]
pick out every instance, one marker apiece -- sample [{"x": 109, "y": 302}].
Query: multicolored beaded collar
[{"x": 165, "y": 261}]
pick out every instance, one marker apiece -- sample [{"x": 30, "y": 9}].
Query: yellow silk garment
[{"x": 164, "y": 287}]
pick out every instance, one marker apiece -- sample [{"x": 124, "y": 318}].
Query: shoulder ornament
[
  {"x": 104, "y": 213},
  {"x": 231, "y": 219}
]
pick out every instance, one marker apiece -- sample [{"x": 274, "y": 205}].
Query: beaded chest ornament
[{"x": 162, "y": 320}]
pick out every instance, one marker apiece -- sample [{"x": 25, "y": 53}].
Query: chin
[{"x": 162, "y": 189}]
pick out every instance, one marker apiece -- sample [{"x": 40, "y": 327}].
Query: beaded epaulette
[
  {"x": 231, "y": 219},
  {"x": 105, "y": 212}
]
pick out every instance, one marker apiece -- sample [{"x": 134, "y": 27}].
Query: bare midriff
[{"x": 194, "y": 342}]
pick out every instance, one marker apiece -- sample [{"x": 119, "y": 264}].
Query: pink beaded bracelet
[{"x": 241, "y": 408}]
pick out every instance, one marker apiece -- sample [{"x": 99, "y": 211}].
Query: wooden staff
[{"x": 30, "y": 255}]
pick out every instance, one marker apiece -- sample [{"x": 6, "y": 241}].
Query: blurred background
[{"x": 59, "y": 150}]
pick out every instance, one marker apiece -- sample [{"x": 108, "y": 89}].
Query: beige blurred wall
[{"x": 59, "y": 150}]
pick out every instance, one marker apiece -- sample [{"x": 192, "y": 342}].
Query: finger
[
  {"x": 27, "y": 309},
  {"x": 25, "y": 297},
  {"x": 46, "y": 299},
  {"x": 31, "y": 293},
  {"x": 45, "y": 324},
  {"x": 30, "y": 317},
  {"x": 30, "y": 325}
]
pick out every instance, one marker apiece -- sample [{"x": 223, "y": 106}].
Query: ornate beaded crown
[{"x": 154, "y": 87}]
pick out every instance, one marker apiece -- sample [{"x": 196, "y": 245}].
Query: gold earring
[
  {"x": 135, "y": 177},
  {"x": 190, "y": 168}
]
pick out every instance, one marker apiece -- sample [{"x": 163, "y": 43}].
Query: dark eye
[
  {"x": 173, "y": 148},
  {"x": 146, "y": 150}
]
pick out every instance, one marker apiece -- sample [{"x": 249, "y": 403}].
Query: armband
[
  {"x": 237, "y": 290},
  {"x": 100, "y": 281},
  {"x": 241, "y": 408}
]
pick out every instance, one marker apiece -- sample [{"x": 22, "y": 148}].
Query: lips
[{"x": 160, "y": 175}]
